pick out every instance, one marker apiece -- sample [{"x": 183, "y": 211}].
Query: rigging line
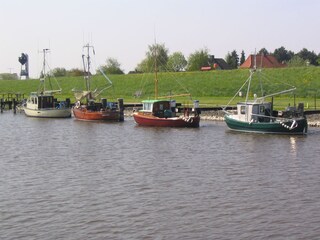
[
  {"x": 110, "y": 82},
  {"x": 266, "y": 79},
  {"x": 238, "y": 92},
  {"x": 50, "y": 83},
  {"x": 106, "y": 77},
  {"x": 47, "y": 74},
  {"x": 56, "y": 80},
  {"x": 179, "y": 83},
  {"x": 260, "y": 80}
]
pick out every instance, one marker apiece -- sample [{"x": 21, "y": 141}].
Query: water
[{"x": 67, "y": 179}]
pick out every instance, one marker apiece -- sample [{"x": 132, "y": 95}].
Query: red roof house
[{"x": 262, "y": 61}]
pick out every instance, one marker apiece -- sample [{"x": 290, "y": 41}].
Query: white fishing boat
[{"x": 43, "y": 103}]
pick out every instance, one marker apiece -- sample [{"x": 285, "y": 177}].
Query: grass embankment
[{"x": 214, "y": 88}]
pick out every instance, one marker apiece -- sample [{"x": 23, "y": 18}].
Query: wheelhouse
[
  {"x": 41, "y": 101},
  {"x": 159, "y": 108},
  {"x": 251, "y": 111}
]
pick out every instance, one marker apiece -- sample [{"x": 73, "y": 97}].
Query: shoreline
[{"x": 313, "y": 119}]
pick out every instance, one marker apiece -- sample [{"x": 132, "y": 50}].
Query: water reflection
[{"x": 293, "y": 145}]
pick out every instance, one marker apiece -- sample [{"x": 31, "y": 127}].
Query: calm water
[{"x": 67, "y": 179}]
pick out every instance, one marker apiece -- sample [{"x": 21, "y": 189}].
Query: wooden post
[
  {"x": 121, "y": 108},
  {"x": 1, "y": 105},
  {"x": 14, "y": 106}
]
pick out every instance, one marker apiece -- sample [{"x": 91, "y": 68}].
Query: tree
[
  {"x": 263, "y": 51},
  {"x": 59, "y": 72},
  {"x": 198, "y": 59},
  {"x": 176, "y": 62},
  {"x": 75, "y": 72},
  {"x": 306, "y": 55},
  {"x": 144, "y": 66},
  {"x": 242, "y": 58},
  {"x": 9, "y": 76},
  {"x": 282, "y": 55},
  {"x": 112, "y": 67},
  {"x": 232, "y": 59},
  {"x": 296, "y": 61},
  {"x": 156, "y": 57}
]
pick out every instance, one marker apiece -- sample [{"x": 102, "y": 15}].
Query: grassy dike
[{"x": 214, "y": 88}]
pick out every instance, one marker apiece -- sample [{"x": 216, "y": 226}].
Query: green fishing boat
[{"x": 257, "y": 115}]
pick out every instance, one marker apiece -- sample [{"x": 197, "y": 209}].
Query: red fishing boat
[
  {"x": 163, "y": 113},
  {"x": 95, "y": 110},
  {"x": 99, "y": 111}
]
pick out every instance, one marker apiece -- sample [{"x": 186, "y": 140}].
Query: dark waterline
[{"x": 68, "y": 179}]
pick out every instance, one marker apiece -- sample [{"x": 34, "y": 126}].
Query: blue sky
[{"x": 123, "y": 29}]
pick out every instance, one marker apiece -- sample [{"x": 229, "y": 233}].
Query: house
[
  {"x": 216, "y": 64},
  {"x": 262, "y": 61},
  {"x": 220, "y": 63}
]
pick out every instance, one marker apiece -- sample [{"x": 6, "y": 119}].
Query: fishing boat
[
  {"x": 163, "y": 112},
  {"x": 43, "y": 103},
  {"x": 257, "y": 115},
  {"x": 91, "y": 109}
]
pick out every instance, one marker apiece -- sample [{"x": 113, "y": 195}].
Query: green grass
[{"x": 214, "y": 88}]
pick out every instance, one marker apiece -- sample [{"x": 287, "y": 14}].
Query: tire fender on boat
[
  {"x": 293, "y": 125},
  {"x": 187, "y": 119}
]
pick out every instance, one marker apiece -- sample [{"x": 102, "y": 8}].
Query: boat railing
[{"x": 277, "y": 118}]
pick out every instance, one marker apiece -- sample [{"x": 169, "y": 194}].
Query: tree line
[{"x": 157, "y": 58}]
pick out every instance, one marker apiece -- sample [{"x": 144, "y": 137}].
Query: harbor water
[{"x": 69, "y": 179}]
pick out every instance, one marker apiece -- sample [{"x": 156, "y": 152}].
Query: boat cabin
[
  {"x": 159, "y": 108},
  {"x": 38, "y": 102},
  {"x": 255, "y": 112}
]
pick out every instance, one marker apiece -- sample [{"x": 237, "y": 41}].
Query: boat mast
[
  {"x": 42, "y": 87},
  {"x": 86, "y": 66},
  {"x": 156, "y": 73},
  {"x": 251, "y": 73},
  {"x": 249, "y": 84},
  {"x": 44, "y": 62}
]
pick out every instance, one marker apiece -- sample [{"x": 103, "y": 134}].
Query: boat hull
[
  {"x": 153, "y": 121},
  {"x": 83, "y": 113},
  {"x": 48, "y": 112},
  {"x": 292, "y": 126}
]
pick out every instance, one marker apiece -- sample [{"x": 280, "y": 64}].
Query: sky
[{"x": 123, "y": 29}]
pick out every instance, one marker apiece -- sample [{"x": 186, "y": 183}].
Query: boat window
[
  {"x": 261, "y": 109},
  {"x": 161, "y": 106},
  {"x": 147, "y": 106},
  {"x": 243, "y": 109}
]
